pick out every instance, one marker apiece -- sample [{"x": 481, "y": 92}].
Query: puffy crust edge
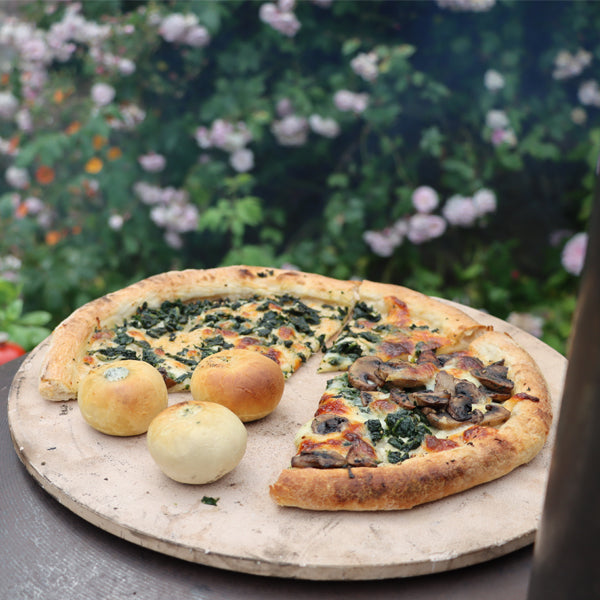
[
  {"x": 448, "y": 319},
  {"x": 490, "y": 454},
  {"x": 60, "y": 371}
]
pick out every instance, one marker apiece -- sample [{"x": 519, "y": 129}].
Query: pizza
[{"x": 423, "y": 401}]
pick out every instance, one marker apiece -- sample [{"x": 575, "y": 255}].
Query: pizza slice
[
  {"x": 175, "y": 319},
  {"x": 397, "y": 431},
  {"x": 392, "y": 321}
]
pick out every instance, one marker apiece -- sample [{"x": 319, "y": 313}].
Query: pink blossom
[
  {"x": 279, "y": 18},
  {"x": 365, "y": 65},
  {"x": 383, "y": 243},
  {"x": 242, "y": 160},
  {"x": 423, "y": 227},
  {"x": 484, "y": 201},
  {"x": 425, "y": 199},
  {"x": 527, "y": 322},
  {"x": 291, "y": 130},
  {"x": 34, "y": 205},
  {"x": 8, "y": 105},
  {"x": 115, "y": 222},
  {"x": 152, "y": 162},
  {"x": 326, "y": 127},
  {"x": 346, "y": 101},
  {"x": 17, "y": 177},
  {"x": 573, "y": 254},
  {"x": 102, "y": 94},
  {"x": 173, "y": 27},
  {"x": 460, "y": 210}
]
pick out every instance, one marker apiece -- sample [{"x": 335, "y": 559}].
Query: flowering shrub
[{"x": 444, "y": 145}]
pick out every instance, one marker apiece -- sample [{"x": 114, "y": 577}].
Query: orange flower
[
  {"x": 73, "y": 127},
  {"x": 44, "y": 175},
  {"x": 13, "y": 144},
  {"x": 4, "y": 79},
  {"x": 53, "y": 237},
  {"x": 98, "y": 141},
  {"x": 58, "y": 96},
  {"x": 76, "y": 230},
  {"x": 114, "y": 153},
  {"x": 94, "y": 165},
  {"x": 21, "y": 210}
]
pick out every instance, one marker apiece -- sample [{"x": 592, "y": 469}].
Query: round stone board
[{"x": 114, "y": 484}]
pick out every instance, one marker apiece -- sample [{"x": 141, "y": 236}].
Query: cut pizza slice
[
  {"x": 392, "y": 321},
  {"x": 175, "y": 319},
  {"x": 393, "y": 433}
]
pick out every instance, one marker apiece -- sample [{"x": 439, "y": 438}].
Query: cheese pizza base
[
  {"x": 64, "y": 364},
  {"x": 486, "y": 453}
]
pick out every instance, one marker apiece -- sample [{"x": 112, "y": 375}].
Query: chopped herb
[{"x": 209, "y": 500}]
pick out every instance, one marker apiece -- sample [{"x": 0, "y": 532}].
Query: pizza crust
[
  {"x": 490, "y": 453},
  {"x": 63, "y": 368}
]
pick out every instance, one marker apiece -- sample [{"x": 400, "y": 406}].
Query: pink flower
[
  {"x": 423, "y": 227},
  {"x": 527, "y": 322},
  {"x": 484, "y": 201},
  {"x": 346, "y": 101},
  {"x": 242, "y": 160},
  {"x": 573, "y": 254},
  {"x": 291, "y": 130},
  {"x": 425, "y": 199},
  {"x": 460, "y": 211},
  {"x": 326, "y": 127},
  {"x": 384, "y": 242},
  {"x": 365, "y": 66},
  {"x": 281, "y": 18},
  {"x": 152, "y": 162},
  {"x": 115, "y": 222},
  {"x": 102, "y": 94}
]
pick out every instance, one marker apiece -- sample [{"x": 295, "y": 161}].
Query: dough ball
[
  {"x": 246, "y": 382},
  {"x": 196, "y": 442},
  {"x": 122, "y": 397}
]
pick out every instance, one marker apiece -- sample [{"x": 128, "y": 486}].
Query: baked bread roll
[
  {"x": 122, "y": 397},
  {"x": 196, "y": 442},
  {"x": 248, "y": 383}
]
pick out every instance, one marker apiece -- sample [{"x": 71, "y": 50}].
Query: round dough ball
[
  {"x": 246, "y": 382},
  {"x": 196, "y": 442},
  {"x": 122, "y": 397}
]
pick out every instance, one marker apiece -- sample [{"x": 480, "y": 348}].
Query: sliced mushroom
[
  {"x": 430, "y": 398},
  {"x": 440, "y": 419},
  {"x": 319, "y": 459},
  {"x": 460, "y": 406},
  {"x": 361, "y": 454},
  {"x": 429, "y": 355},
  {"x": 494, "y": 377},
  {"x": 445, "y": 382},
  {"x": 495, "y": 415},
  {"x": 367, "y": 397},
  {"x": 407, "y": 375},
  {"x": 402, "y": 399},
  {"x": 328, "y": 423},
  {"x": 364, "y": 373}
]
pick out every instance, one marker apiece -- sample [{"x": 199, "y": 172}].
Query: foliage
[
  {"x": 448, "y": 145},
  {"x": 27, "y": 330}
]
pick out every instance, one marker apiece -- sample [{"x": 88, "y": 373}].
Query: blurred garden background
[{"x": 445, "y": 145}]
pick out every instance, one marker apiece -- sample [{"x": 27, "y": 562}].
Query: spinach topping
[
  {"x": 406, "y": 429},
  {"x": 363, "y": 311},
  {"x": 375, "y": 429}
]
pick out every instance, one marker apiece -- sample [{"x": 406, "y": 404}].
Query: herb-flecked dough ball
[{"x": 122, "y": 397}]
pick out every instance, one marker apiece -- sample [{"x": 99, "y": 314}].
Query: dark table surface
[{"x": 48, "y": 552}]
